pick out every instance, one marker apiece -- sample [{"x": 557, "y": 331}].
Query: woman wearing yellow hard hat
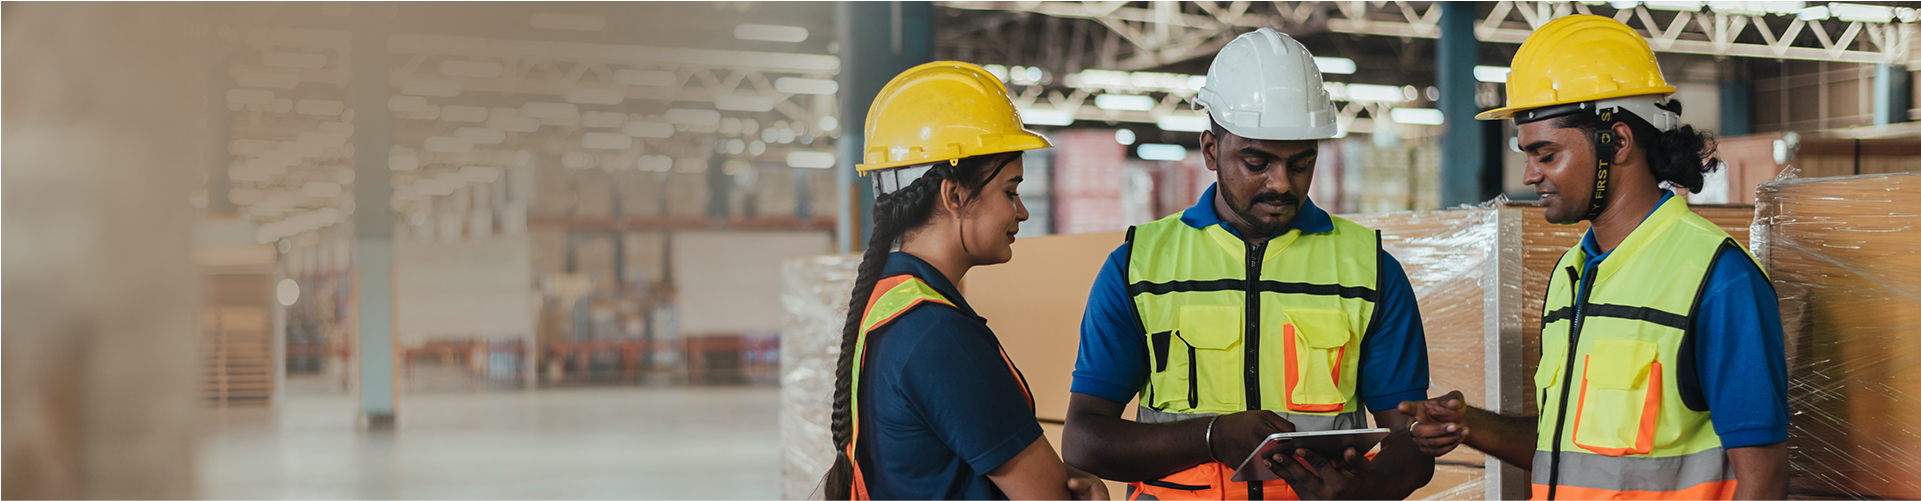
[
  {"x": 1662, "y": 372},
  {"x": 926, "y": 403}
]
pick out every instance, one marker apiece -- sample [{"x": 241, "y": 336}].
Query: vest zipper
[
  {"x": 1583, "y": 287},
  {"x": 1252, "y": 341}
]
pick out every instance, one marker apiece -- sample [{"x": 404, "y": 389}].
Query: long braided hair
[{"x": 895, "y": 216}]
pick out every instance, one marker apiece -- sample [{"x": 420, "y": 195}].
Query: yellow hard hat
[
  {"x": 1576, "y": 59},
  {"x": 943, "y": 110}
]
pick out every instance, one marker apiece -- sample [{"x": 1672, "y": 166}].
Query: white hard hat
[{"x": 1264, "y": 85}]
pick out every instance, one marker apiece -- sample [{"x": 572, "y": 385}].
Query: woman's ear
[{"x": 952, "y": 196}]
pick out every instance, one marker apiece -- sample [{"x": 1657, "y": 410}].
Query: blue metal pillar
[
  {"x": 373, "y": 215},
  {"x": 1737, "y": 108},
  {"x": 877, "y": 41},
  {"x": 1463, "y": 156},
  {"x": 1891, "y": 93}
]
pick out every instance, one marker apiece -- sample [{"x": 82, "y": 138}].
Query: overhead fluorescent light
[
  {"x": 1416, "y": 116},
  {"x": 1674, "y": 6},
  {"x": 646, "y": 78},
  {"x": 654, "y": 130},
  {"x": 810, "y": 159},
  {"x": 573, "y": 22},
  {"x": 1162, "y": 152},
  {"x": 474, "y": 69},
  {"x": 1815, "y": 13},
  {"x": 1124, "y": 136},
  {"x": 513, "y": 124},
  {"x": 770, "y": 33},
  {"x": 448, "y": 144},
  {"x": 654, "y": 163},
  {"x": 1057, "y": 118},
  {"x": 1335, "y": 65},
  {"x": 1183, "y": 122},
  {"x": 1865, "y": 13},
  {"x": 1491, "y": 74},
  {"x": 811, "y": 86},
  {"x": 682, "y": 116},
  {"x": 1375, "y": 93},
  {"x": 480, "y": 173},
  {"x": 1123, "y": 102},
  {"x": 735, "y": 102}
]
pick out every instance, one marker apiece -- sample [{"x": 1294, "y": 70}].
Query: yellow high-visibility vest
[{"x": 1613, "y": 423}]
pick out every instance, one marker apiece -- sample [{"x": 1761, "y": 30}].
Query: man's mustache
[{"x": 1275, "y": 197}]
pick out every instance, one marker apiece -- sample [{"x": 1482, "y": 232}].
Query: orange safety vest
[{"x": 900, "y": 294}]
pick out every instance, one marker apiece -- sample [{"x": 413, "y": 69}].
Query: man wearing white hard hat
[{"x": 1251, "y": 313}]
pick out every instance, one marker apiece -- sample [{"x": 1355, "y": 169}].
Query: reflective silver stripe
[
  {"x": 1636, "y": 473},
  {"x": 1302, "y": 422}
]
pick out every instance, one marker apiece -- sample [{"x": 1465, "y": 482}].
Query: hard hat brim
[
  {"x": 1022, "y": 141},
  {"x": 1505, "y": 113}
]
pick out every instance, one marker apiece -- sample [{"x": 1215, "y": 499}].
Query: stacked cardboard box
[
  {"x": 1845, "y": 258},
  {"x": 593, "y": 193},
  {"x": 1087, "y": 181},
  {"x": 687, "y": 194},
  {"x": 639, "y": 194}
]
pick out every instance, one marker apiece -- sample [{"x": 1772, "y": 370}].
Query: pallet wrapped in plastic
[
  {"x": 813, "y": 297},
  {"x": 1845, "y": 257}
]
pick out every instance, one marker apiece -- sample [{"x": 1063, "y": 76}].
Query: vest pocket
[
  {"x": 1316, "y": 341},
  {"x": 1620, "y": 398},
  {"x": 1213, "y": 338},
  {"x": 1548, "y": 375}
]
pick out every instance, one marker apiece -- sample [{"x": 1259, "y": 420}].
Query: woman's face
[{"x": 989, "y": 222}]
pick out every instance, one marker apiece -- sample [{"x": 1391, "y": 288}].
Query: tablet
[{"x": 1329, "y": 444}]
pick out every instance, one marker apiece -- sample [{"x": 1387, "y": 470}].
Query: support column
[
  {"x": 877, "y": 41},
  {"x": 373, "y": 214},
  {"x": 1891, "y": 93},
  {"x": 1462, "y": 155},
  {"x": 1737, "y": 98}
]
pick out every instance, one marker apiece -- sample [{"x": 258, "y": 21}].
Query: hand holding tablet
[{"x": 1332, "y": 444}]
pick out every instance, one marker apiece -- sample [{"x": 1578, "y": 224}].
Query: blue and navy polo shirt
[
  {"x": 1741, "y": 359},
  {"x": 1113, "y": 360},
  {"x": 939, "y": 408}
]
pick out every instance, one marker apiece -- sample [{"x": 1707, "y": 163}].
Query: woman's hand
[{"x": 1085, "y": 486}]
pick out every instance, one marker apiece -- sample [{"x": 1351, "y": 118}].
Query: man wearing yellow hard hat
[
  {"x": 926, "y": 403},
  {"x": 1662, "y": 371},
  {"x": 1251, "y": 313}
]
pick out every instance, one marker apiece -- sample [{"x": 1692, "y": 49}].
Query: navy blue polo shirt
[
  {"x": 1742, "y": 361},
  {"x": 1113, "y": 360},
  {"x": 938, "y": 406}
]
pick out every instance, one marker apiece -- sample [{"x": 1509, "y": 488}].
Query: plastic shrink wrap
[
  {"x": 814, "y": 293},
  {"x": 1845, "y": 257}
]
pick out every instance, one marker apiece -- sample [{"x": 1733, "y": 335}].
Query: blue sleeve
[
  {"x": 1113, "y": 355},
  {"x": 1742, "y": 359},
  {"x": 966, "y": 392},
  {"x": 1394, "y": 355}
]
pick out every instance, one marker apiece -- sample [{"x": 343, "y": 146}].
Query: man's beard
[{"x": 1246, "y": 210}]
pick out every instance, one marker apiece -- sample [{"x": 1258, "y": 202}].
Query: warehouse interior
[{"x": 587, "y": 250}]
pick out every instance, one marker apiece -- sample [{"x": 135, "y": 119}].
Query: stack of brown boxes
[{"x": 1845, "y": 256}]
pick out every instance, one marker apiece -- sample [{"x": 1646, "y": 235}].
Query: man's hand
[
  {"x": 1319, "y": 478},
  {"x": 1438, "y": 422},
  {"x": 1085, "y": 486},
  {"x": 1237, "y": 435}
]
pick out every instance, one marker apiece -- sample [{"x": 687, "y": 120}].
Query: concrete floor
[{"x": 625, "y": 442}]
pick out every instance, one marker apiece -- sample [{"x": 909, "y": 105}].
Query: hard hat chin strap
[
  {"x": 1610, "y": 111},
  {"x": 1604, "y": 144}
]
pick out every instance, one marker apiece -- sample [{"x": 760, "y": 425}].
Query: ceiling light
[
  {"x": 1335, "y": 65},
  {"x": 654, "y": 130},
  {"x": 1162, "y": 152},
  {"x": 1035, "y": 116},
  {"x": 810, "y": 159},
  {"x": 513, "y": 124},
  {"x": 1815, "y": 13},
  {"x": 1375, "y": 93},
  {"x": 756, "y": 104},
  {"x": 1124, "y": 136},
  {"x": 480, "y": 173},
  {"x": 454, "y": 113},
  {"x": 1183, "y": 123},
  {"x": 654, "y": 163},
  {"x": 828, "y": 123},
  {"x": 1674, "y": 6},
  {"x": 812, "y": 86},
  {"x": 645, "y": 78},
  {"x": 1865, "y": 13},
  {"x": 448, "y": 144},
  {"x": 1491, "y": 74},
  {"x": 1416, "y": 116},
  {"x": 770, "y": 33},
  {"x": 574, "y": 22},
  {"x": 1123, "y": 102}
]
